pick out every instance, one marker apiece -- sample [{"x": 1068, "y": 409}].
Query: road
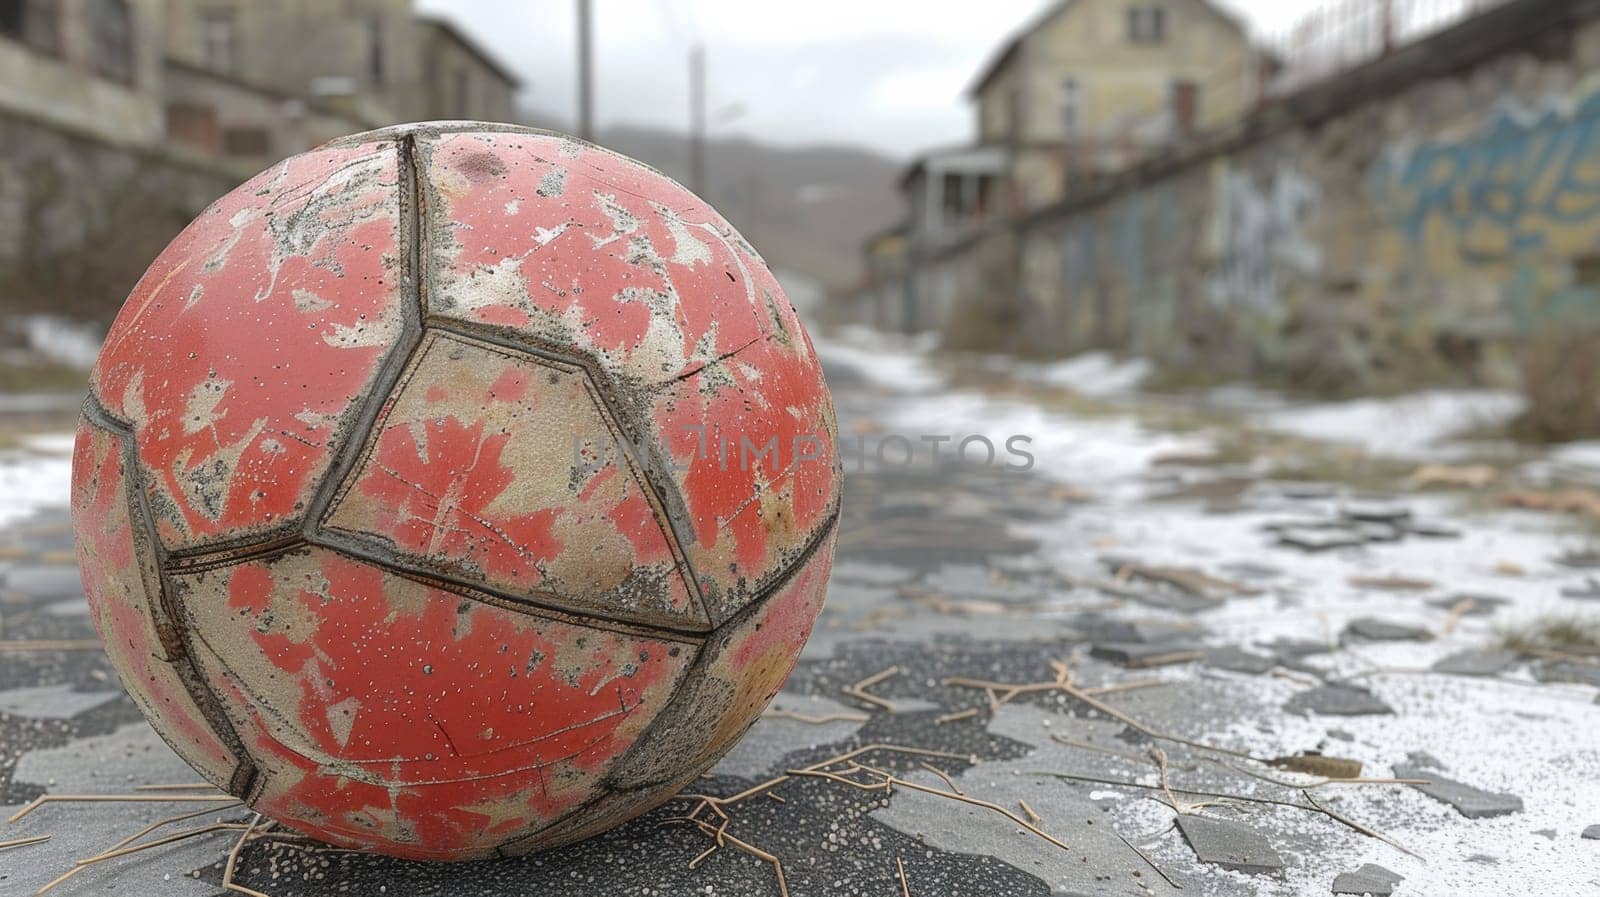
[{"x": 1069, "y": 679}]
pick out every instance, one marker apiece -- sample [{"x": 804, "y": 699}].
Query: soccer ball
[{"x": 455, "y": 490}]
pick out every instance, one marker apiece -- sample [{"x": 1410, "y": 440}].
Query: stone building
[
  {"x": 1088, "y": 88},
  {"x": 375, "y": 61},
  {"x": 1092, "y": 86},
  {"x": 241, "y": 81},
  {"x": 121, "y": 119}
]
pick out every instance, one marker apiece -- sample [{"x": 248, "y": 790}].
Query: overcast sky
[{"x": 887, "y": 74}]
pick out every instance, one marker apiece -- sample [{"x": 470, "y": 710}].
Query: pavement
[{"x": 1130, "y": 669}]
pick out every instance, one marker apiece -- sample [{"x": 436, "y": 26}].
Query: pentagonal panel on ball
[
  {"x": 501, "y": 469},
  {"x": 242, "y": 355},
  {"x": 556, "y": 243},
  {"x": 382, "y": 710},
  {"x": 124, "y": 592}
]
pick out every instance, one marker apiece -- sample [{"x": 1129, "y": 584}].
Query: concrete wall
[
  {"x": 60, "y": 86},
  {"x": 81, "y": 216},
  {"x": 1415, "y": 221}
]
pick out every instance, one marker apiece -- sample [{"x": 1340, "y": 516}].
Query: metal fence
[{"x": 1343, "y": 34}]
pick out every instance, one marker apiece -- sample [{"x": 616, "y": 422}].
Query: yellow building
[{"x": 1090, "y": 86}]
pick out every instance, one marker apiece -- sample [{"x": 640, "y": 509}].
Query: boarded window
[
  {"x": 375, "y": 49},
  {"x": 32, "y": 23},
  {"x": 1185, "y": 102},
  {"x": 193, "y": 126},
  {"x": 112, "y": 33},
  {"x": 1147, "y": 24},
  {"x": 219, "y": 41},
  {"x": 1071, "y": 106},
  {"x": 246, "y": 142}
]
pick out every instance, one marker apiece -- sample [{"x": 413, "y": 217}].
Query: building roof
[
  {"x": 1008, "y": 50},
  {"x": 450, "y": 30},
  {"x": 980, "y": 158}
]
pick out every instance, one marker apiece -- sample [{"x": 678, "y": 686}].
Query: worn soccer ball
[{"x": 455, "y": 490}]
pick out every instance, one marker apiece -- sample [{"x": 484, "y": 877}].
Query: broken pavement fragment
[
  {"x": 1370, "y": 879},
  {"x": 1337, "y": 700},
  {"x": 1567, "y": 671},
  {"x": 1475, "y": 663},
  {"x": 1473, "y": 803},
  {"x": 1238, "y": 660},
  {"x": 1471, "y": 605},
  {"x": 1137, "y": 655},
  {"x": 1313, "y": 539},
  {"x": 1230, "y": 845},
  {"x": 1375, "y": 630}
]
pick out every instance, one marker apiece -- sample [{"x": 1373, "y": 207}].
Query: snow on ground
[
  {"x": 37, "y": 476},
  {"x": 1508, "y": 734},
  {"x": 896, "y": 363},
  {"x": 1403, "y": 426},
  {"x": 1096, "y": 375}
]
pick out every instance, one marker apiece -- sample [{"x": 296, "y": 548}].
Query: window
[
  {"x": 246, "y": 142},
  {"x": 1147, "y": 24},
  {"x": 1185, "y": 102},
  {"x": 375, "y": 49},
  {"x": 1071, "y": 106},
  {"x": 31, "y": 22},
  {"x": 219, "y": 41},
  {"x": 193, "y": 125},
  {"x": 113, "y": 39}
]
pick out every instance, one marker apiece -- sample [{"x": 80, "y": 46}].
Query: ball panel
[
  {"x": 569, "y": 245},
  {"x": 242, "y": 354},
  {"x": 121, "y": 583},
  {"x": 473, "y": 471},
  {"x": 562, "y": 244},
  {"x": 764, "y": 479},
  {"x": 385, "y": 712},
  {"x": 741, "y": 669}
]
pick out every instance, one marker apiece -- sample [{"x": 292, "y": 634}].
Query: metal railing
[{"x": 1343, "y": 34}]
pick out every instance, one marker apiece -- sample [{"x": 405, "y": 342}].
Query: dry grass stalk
[
  {"x": 24, "y": 646},
  {"x": 1147, "y": 861},
  {"x": 818, "y": 719},
  {"x": 160, "y": 823},
  {"x": 859, "y": 689},
  {"x": 23, "y": 842},
  {"x": 889, "y": 781},
  {"x": 232, "y": 865},
  {"x": 905, "y": 886},
  {"x": 43, "y": 799},
  {"x": 957, "y": 715},
  {"x": 718, "y": 805},
  {"x": 1032, "y": 816},
  {"x": 943, "y": 775},
  {"x": 1314, "y": 807},
  {"x": 1000, "y": 693}
]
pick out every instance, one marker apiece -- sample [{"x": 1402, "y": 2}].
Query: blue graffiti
[{"x": 1504, "y": 190}]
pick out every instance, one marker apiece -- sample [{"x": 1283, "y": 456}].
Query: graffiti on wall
[
  {"x": 1525, "y": 182},
  {"x": 1258, "y": 235}
]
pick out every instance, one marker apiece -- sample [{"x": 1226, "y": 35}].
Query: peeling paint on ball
[{"x": 455, "y": 490}]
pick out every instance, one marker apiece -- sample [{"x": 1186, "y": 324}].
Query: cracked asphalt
[{"x": 1171, "y": 615}]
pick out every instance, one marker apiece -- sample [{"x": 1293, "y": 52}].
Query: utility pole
[
  {"x": 697, "y": 119},
  {"x": 585, "y": 71}
]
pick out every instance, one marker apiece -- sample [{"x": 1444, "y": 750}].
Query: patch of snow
[
  {"x": 1401, "y": 426},
  {"x": 60, "y": 340},
  {"x": 892, "y": 362},
  {"x": 40, "y": 477},
  {"x": 1095, "y": 374}
]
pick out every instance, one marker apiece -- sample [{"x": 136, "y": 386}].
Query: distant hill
[{"x": 805, "y": 208}]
